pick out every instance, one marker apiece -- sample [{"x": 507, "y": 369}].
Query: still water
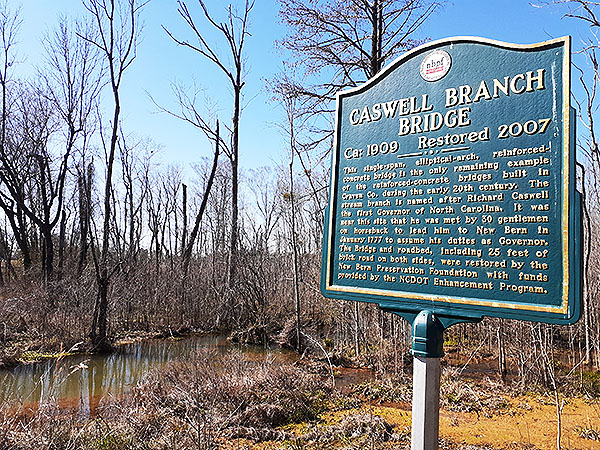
[{"x": 79, "y": 382}]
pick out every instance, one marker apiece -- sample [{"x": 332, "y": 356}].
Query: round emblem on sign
[{"x": 435, "y": 65}]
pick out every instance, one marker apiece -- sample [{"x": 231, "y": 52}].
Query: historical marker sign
[{"x": 453, "y": 184}]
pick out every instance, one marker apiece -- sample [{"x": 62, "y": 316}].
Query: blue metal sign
[{"x": 453, "y": 185}]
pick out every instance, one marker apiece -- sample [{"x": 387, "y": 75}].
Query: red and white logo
[{"x": 435, "y": 65}]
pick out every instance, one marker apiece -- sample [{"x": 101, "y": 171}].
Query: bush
[{"x": 215, "y": 395}]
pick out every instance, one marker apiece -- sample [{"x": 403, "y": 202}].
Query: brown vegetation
[
  {"x": 189, "y": 404},
  {"x": 227, "y": 401},
  {"x": 124, "y": 259}
]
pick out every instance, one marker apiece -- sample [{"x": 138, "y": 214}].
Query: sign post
[
  {"x": 428, "y": 348},
  {"x": 453, "y": 196}
]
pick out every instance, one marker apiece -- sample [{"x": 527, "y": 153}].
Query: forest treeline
[{"x": 98, "y": 241}]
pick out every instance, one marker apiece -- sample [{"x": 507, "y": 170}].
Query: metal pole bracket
[{"x": 427, "y": 336}]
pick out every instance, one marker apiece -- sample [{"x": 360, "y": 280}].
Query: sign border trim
[{"x": 566, "y": 169}]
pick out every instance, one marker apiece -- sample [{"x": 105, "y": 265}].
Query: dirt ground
[{"x": 527, "y": 422}]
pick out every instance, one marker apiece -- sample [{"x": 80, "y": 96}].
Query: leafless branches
[
  {"x": 235, "y": 31},
  {"x": 348, "y": 42},
  {"x": 116, "y": 30}
]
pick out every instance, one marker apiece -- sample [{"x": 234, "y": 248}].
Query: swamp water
[{"x": 79, "y": 382}]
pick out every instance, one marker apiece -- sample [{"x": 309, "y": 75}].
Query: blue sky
[{"x": 160, "y": 62}]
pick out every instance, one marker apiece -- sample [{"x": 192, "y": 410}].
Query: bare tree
[
  {"x": 347, "y": 42},
  {"x": 135, "y": 157},
  {"x": 290, "y": 111},
  {"x": 235, "y": 31},
  {"x": 72, "y": 83},
  {"x": 304, "y": 143},
  {"x": 117, "y": 30},
  {"x": 294, "y": 124},
  {"x": 187, "y": 251},
  {"x": 10, "y": 25},
  {"x": 156, "y": 213},
  {"x": 39, "y": 197},
  {"x": 85, "y": 174},
  {"x": 587, "y": 70},
  {"x": 267, "y": 204}
]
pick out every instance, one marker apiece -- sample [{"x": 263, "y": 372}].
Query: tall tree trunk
[
  {"x": 61, "y": 243},
  {"x": 586, "y": 275},
  {"x": 375, "y": 41},
  {"x": 48, "y": 253},
  {"x": 187, "y": 254},
  {"x": 116, "y": 38},
  {"x": 84, "y": 181},
  {"x": 295, "y": 245},
  {"x": 99, "y": 336},
  {"x": 184, "y": 218},
  {"x": 501, "y": 351},
  {"x": 133, "y": 242},
  {"x": 233, "y": 248}
]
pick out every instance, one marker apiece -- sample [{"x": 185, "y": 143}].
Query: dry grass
[
  {"x": 188, "y": 405},
  {"x": 231, "y": 401},
  {"x": 206, "y": 403}
]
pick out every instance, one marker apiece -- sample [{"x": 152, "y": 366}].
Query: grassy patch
[
  {"x": 31, "y": 356},
  {"x": 112, "y": 442},
  {"x": 387, "y": 390},
  {"x": 589, "y": 383}
]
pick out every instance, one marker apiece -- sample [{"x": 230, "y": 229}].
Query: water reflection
[{"x": 79, "y": 382}]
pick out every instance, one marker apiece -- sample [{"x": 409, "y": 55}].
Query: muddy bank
[{"x": 27, "y": 347}]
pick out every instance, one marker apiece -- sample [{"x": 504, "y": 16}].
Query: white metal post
[{"x": 426, "y": 403}]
